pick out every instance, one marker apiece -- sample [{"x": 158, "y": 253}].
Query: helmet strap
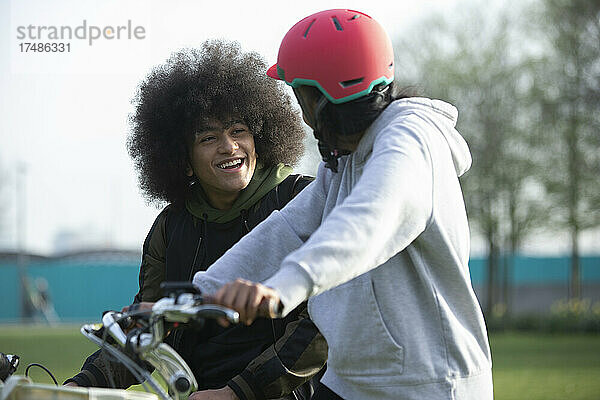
[
  {"x": 328, "y": 156},
  {"x": 327, "y": 145}
]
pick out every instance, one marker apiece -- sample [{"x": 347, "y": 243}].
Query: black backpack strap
[
  {"x": 276, "y": 199},
  {"x": 290, "y": 187}
]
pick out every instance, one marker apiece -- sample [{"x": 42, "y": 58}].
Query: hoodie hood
[{"x": 440, "y": 114}]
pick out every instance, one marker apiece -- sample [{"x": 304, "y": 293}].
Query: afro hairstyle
[{"x": 217, "y": 81}]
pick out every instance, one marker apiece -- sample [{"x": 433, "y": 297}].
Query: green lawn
[
  {"x": 62, "y": 350},
  {"x": 546, "y": 367},
  {"x": 526, "y": 366}
]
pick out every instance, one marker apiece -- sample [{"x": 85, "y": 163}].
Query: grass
[
  {"x": 526, "y": 366},
  {"x": 548, "y": 367},
  {"x": 62, "y": 349}
]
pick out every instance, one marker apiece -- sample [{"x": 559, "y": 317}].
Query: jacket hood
[
  {"x": 262, "y": 182},
  {"x": 440, "y": 114}
]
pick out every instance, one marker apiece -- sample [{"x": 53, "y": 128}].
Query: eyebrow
[
  {"x": 207, "y": 128},
  {"x": 234, "y": 121}
]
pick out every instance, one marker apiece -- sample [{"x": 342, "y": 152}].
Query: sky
[{"x": 65, "y": 177}]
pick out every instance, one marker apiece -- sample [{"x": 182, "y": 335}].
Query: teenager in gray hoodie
[{"x": 379, "y": 242}]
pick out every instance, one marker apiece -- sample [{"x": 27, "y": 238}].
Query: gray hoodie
[{"x": 381, "y": 248}]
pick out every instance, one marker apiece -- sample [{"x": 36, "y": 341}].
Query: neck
[
  {"x": 221, "y": 201},
  {"x": 349, "y": 143}
]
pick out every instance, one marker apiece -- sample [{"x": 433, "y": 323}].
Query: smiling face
[{"x": 223, "y": 158}]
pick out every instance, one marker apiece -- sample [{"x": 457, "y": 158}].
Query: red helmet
[{"x": 344, "y": 53}]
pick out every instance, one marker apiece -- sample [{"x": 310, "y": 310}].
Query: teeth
[{"x": 230, "y": 163}]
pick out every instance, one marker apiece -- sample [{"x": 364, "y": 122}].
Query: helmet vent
[
  {"x": 337, "y": 24},
  {"x": 391, "y": 65},
  {"x": 309, "y": 26},
  {"x": 351, "y": 82},
  {"x": 354, "y": 17}
]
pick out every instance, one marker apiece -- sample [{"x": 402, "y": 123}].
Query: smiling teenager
[
  {"x": 214, "y": 138},
  {"x": 223, "y": 158},
  {"x": 379, "y": 243}
]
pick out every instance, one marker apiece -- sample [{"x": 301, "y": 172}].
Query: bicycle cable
[
  {"x": 293, "y": 393},
  {"x": 42, "y": 367}
]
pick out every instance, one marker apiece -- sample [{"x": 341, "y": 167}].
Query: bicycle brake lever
[
  {"x": 216, "y": 311},
  {"x": 114, "y": 329}
]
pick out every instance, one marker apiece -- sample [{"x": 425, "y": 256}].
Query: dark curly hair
[{"x": 217, "y": 81}]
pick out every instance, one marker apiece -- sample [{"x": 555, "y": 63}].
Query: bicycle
[{"x": 132, "y": 338}]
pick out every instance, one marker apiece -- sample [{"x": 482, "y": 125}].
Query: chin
[{"x": 238, "y": 186}]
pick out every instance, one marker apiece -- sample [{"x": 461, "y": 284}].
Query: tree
[
  {"x": 478, "y": 63},
  {"x": 568, "y": 86}
]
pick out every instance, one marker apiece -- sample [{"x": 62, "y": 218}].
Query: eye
[
  {"x": 238, "y": 129},
  {"x": 206, "y": 139}
]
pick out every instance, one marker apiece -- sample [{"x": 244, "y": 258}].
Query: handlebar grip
[{"x": 270, "y": 308}]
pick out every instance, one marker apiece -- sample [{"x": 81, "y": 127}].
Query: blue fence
[
  {"x": 81, "y": 290},
  {"x": 540, "y": 270}
]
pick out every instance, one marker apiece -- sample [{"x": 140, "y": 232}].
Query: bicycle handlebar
[
  {"x": 189, "y": 307},
  {"x": 146, "y": 340},
  {"x": 184, "y": 305}
]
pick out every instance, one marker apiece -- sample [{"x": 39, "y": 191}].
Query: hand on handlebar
[
  {"x": 249, "y": 299},
  {"x": 143, "y": 306}
]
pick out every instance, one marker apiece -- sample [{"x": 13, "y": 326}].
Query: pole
[{"x": 22, "y": 257}]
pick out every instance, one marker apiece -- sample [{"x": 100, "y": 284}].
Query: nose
[{"x": 228, "y": 145}]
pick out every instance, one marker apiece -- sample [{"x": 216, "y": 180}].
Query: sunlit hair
[{"x": 217, "y": 81}]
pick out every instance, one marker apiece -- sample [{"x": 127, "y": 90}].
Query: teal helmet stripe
[
  {"x": 281, "y": 73},
  {"x": 310, "y": 82}
]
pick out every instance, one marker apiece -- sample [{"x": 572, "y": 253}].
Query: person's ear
[{"x": 189, "y": 171}]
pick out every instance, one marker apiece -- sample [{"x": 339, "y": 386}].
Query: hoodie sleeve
[
  {"x": 257, "y": 255},
  {"x": 388, "y": 207}
]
